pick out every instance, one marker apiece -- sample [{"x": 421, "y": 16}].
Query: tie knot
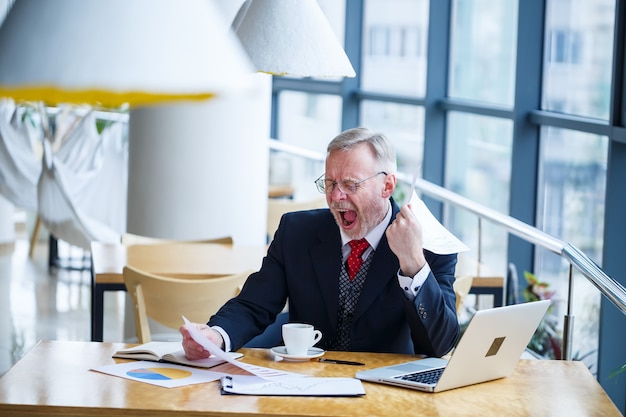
[{"x": 358, "y": 246}]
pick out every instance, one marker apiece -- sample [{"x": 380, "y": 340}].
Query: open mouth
[{"x": 348, "y": 217}]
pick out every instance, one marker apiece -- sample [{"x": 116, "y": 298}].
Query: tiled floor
[{"x": 36, "y": 304}]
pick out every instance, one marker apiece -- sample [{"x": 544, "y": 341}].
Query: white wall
[{"x": 200, "y": 170}]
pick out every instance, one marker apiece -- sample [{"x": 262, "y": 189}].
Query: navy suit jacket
[{"x": 302, "y": 268}]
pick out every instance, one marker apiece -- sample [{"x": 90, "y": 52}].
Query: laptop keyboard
[{"x": 425, "y": 377}]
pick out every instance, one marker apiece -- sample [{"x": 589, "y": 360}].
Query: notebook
[{"x": 489, "y": 349}]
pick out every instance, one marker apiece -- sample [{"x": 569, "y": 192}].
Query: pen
[{"x": 340, "y": 362}]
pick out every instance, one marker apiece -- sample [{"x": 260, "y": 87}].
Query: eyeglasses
[{"x": 347, "y": 187}]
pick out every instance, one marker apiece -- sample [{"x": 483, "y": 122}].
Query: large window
[
  {"x": 483, "y": 50},
  {"x": 478, "y": 166},
  {"x": 394, "y": 46},
  {"x": 512, "y": 104},
  {"x": 573, "y": 165},
  {"x": 571, "y": 207},
  {"x": 578, "y": 58},
  {"x": 308, "y": 121},
  {"x": 403, "y": 125}
]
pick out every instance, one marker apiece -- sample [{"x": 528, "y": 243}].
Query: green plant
[
  {"x": 618, "y": 371},
  {"x": 547, "y": 339}
]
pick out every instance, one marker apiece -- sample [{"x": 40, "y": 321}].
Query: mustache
[{"x": 341, "y": 205}]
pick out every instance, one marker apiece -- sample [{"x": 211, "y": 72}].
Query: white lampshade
[
  {"x": 118, "y": 51},
  {"x": 291, "y": 37}
]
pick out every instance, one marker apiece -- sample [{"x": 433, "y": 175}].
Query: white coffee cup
[{"x": 299, "y": 337}]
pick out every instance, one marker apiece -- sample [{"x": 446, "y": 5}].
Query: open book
[{"x": 171, "y": 352}]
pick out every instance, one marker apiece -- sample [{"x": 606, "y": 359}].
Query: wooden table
[
  {"x": 191, "y": 259},
  {"x": 54, "y": 379},
  {"x": 281, "y": 191},
  {"x": 489, "y": 286}
]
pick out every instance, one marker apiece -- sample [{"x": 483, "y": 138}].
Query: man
[{"x": 400, "y": 299}]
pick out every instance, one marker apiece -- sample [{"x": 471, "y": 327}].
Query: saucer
[{"x": 311, "y": 353}]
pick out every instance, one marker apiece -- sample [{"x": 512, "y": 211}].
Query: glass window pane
[
  {"x": 578, "y": 57},
  {"x": 404, "y": 126},
  {"x": 394, "y": 46},
  {"x": 572, "y": 186},
  {"x": 482, "y": 59},
  {"x": 308, "y": 121},
  {"x": 295, "y": 173},
  {"x": 478, "y": 166},
  {"x": 5, "y": 5}
]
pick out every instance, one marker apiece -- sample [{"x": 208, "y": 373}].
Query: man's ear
[{"x": 389, "y": 186}]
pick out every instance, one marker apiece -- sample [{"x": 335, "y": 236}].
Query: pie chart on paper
[{"x": 159, "y": 373}]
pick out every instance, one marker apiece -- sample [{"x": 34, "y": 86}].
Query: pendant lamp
[
  {"x": 118, "y": 51},
  {"x": 290, "y": 37}
]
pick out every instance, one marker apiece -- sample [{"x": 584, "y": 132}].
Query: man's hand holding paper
[
  {"x": 406, "y": 241},
  {"x": 213, "y": 349},
  {"x": 415, "y": 228},
  {"x": 435, "y": 237},
  {"x": 193, "y": 349}
]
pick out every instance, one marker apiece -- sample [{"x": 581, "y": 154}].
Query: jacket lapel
[
  {"x": 326, "y": 261},
  {"x": 380, "y": 271}
]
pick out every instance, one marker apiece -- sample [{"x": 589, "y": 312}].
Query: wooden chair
[
  {"x": 129, "y": 239},
  {"x": 166, "y": 299},
  {"x": 276, "y": 207},
  {"x": 485, "y": 279},
  {"x": 462, "y": 286}
]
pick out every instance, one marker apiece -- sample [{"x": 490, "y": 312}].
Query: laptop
[{"x": 489, "y": 349}]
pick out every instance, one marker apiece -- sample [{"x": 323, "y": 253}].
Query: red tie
[{"x": 355, "y": 259}]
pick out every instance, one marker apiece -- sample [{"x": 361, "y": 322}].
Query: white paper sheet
[
  {"x": 161, "y": 374},
  {"x": 311, "y": 386},
  {"x": 260, "y": 371},
  {"x": 436, "y": 237}
]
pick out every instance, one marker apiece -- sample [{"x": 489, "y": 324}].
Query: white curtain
[
  {"x": 78, "y": 186},
  {"x": 20, "y": 164}
]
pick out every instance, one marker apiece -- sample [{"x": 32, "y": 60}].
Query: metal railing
[{"x": 610, "y": 288}]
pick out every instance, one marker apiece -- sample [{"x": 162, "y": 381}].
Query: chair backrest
[
  {"x": 166, "y": 299},
  {"x": 129, "y": 239},
  {"x": 276, "y": 207},
  {"x": 462, "y": 287},
  {"x": 469, "y": 272}
]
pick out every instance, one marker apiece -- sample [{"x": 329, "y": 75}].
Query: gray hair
[{"x": 378, "y": 143}]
